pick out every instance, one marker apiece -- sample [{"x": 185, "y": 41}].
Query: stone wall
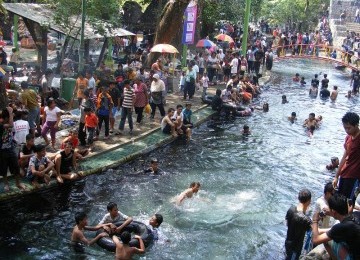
[{"x": 338, "y": 6}]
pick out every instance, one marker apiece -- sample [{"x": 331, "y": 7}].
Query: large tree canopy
[{"x": 302, "y": 13}]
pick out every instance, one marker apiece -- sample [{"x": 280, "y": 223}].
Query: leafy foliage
[{"x": 303, "y": 13}]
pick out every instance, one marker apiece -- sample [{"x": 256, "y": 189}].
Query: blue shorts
[{"x": 34, "y": 117}]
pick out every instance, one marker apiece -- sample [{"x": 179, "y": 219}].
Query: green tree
[{"x": 302, "y": 13}]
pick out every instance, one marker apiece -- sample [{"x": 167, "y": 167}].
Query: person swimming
[
  {"x": 296, "y": 78},
  {"x": 334, "y": 164},
  {"x": 284, "y": 99},
  {"x": 246, "y": 131},
  {"x": 189, "y": 192},
  {"x": 266, "y": 107},
  {"x": 292, "y": 118},
  {"x": 302, "y": 81}
]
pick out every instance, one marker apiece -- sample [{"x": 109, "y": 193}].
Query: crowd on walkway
[{"x": 101, "y": 95}]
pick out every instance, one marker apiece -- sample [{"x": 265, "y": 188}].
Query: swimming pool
[{"x": 247, "y": 184}]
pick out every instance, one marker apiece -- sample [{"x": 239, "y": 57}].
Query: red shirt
[
  {"x": 351, "y": 167},
  {"x": 91, "y": 120}
]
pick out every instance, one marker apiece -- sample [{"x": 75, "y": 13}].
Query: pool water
[{"x": 247, "y": 183}]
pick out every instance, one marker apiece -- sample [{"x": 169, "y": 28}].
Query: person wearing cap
[
  {"x": 29, "y": 100},
  {"x": 157, "y": 90},
  {"x": 115, "y": 94}
]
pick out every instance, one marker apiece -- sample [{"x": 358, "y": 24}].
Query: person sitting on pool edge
[
  {"x": 34, "y": 173},
  {"x": 292, "y": 118},
  {"x": 113, "y": 216},
  {"x": 123, "y": 250},
  {"x": 187, "y": 115},
  {"x": 189, "y": 192},
  {"x": 167, "y": 125},
  {"x": 65, "y": 163},
  {"x": 154, "y": 167},
  {"x": 78, "y": 239}
]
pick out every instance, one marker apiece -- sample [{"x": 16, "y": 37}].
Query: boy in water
[
  {"x": 123, "y": 250},
  {"x": 302, "y": 81},
  {"x": 334, "y": 163},
  {"x": 296, "y": 78},
  {"x": 334, "y": 93},
  {"x": 77, "y": 236},
  {"x": 292, "y": 118},
  {"x": 189, "y": 192},
  {"x": 284, "y": 100},
  {"x": 311, "y": 121},
  {"x": 114, "y": 216},
  {"x": 154, "y": 167},
  {"x": 154, "y": 223},
  {"x": 246, "y": 131},
  {"x": 298, "y": 223}
]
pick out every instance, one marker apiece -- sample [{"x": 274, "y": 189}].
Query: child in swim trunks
[{"x": 78, "y": 238}]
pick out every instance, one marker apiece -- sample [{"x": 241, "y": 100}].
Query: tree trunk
[
  {"x": 170, "y": 25},
  {"x": 102, "y": 52}
]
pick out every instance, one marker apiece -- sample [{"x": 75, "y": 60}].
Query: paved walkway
[{"x": 119, "y": 149}]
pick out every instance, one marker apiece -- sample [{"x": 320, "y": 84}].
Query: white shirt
[
  {"x": 21, "y": 130},
  {"x": 108, "y": 219},
  {"x": 320, "y": 204},
  {"x": 51, "y": 115},
  {"x": 234, "y": 65},
  {"x": 205, "y": 81},
  {"x": 196, "y": 70},
  {"x": 175, "y": 116},
  {"x": 157, "y": 86},
  {"x": 92, "y": 83}
]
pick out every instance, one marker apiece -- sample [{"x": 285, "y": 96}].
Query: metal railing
[{"x": 320, "y": 51}]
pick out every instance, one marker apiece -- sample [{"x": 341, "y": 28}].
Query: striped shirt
[{"x": 128, "y": 98}]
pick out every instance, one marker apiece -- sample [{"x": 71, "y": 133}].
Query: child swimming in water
[
  {"x": 296, "y": 78},
  {"x": 189, "y": 192},
  {"x": 246, "y": 130},
  {"x": 292, "y": 118},
  {"x": 284, "y": 100},
  {"x": 302, "y": 81},
  {"x": 334, "y": 164},
  {"x": 78, "y": 238}
]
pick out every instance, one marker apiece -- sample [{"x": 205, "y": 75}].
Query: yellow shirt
[{"x": 29, "y": 97}]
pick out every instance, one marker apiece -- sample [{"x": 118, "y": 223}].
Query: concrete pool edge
[{"x": 200, "y": 116}]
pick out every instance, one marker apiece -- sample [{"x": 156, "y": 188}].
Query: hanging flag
[{"x": 189, "y": 23}]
